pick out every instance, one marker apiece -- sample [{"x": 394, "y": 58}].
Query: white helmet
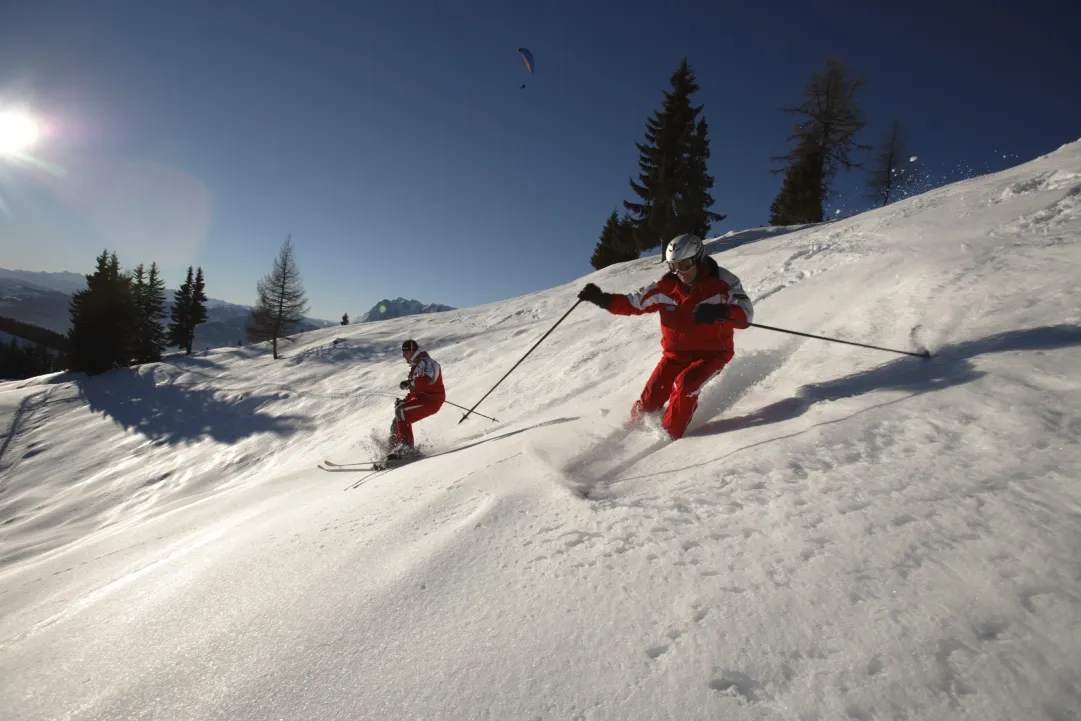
[{"x": 684, "y": 247}]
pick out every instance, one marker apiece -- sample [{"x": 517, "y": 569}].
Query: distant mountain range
[
  {"x": 399, "y": 308},
  {"x": 63, "y": 282},
  {"x": 30, "y": 303},
  {"x": 43, "y": 299}
]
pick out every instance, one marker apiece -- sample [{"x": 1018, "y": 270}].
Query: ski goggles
[{"x": 681, "y": 266}]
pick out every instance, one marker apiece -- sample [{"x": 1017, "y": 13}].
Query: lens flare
[{"x": 19, "y": 132}]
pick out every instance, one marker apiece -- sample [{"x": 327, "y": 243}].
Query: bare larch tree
[{"x": 282, "y": 301}]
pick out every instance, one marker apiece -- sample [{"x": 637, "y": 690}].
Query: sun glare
[{"x": 18, "y": 132}]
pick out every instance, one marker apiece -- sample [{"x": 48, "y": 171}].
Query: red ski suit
[
  {"x": 693, "y": 352},
  {"x": 426, "y": 396}
]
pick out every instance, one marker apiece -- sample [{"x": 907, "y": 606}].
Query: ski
[
  {"x": 389, "y": 464},
  {"x": 347, "y": 465},
  {"x": 365, "y": 466}
]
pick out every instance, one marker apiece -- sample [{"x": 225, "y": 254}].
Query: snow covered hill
[{"x": 843, "y": 534}]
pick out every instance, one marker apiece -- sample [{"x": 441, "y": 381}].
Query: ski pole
[
  {"x": 520, "y": 360},
  {"x": 455, "y": 405},
  {"x": 922, "y": 354}
]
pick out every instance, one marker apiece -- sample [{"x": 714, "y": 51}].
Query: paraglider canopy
[{"x": 528, "y": 58}]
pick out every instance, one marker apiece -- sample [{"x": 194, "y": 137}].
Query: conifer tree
[
  {"x": 198, "y": 304},
  {"x": 102, "y": 319},
  {"x": 616, "y": 243},
  {"x": 179, "y": 315},
  {"x": 138, "y": 293},
  {"x": 673, "y": 184},
  {"x": 149, "y": 295},
  {"x": 189, "y": 310},
  {"x": 800, "y": 198}
]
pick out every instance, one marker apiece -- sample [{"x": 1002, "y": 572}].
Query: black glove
[
  {"x": 592, "y": 294},
  {"x": 710, "y": 312},
  {"x": 405, "y": 384}
]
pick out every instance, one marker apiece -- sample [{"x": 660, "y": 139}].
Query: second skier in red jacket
[{"x": 426, "y": 396}]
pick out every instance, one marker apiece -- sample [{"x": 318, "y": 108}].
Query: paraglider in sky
[{"x": 528, "y": 58}]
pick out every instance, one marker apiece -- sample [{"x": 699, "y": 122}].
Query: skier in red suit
[
  {"x": 693, "y": 299},
  {"x": 425, "y": 397}
]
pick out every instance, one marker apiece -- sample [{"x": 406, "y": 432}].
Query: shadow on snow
[
  {"x": 950, "y": 366},
  {"x": 173, "y": 414}
]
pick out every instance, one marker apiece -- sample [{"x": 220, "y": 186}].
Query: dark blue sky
[{"x": 395, "y": 145}]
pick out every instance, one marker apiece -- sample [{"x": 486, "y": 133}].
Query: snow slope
[{"x": 843, "y": 533}]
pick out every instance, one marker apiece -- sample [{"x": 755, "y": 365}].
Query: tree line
[
  {"x": 119, "y": 320},
  {"x": 30, "y": 351},
  {"x": 674, "y": 186}
]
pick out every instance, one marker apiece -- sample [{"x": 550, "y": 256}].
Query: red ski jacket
[
  {"x": 675, "y": 301},
  {"x": 426, "y": 377}
]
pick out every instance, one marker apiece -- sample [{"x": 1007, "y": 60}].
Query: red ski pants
[
  {"x": 678, "y": 378},
  {"x": 408, "y": 412}
]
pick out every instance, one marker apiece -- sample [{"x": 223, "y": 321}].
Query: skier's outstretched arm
[{"x": 649, "y": 299}]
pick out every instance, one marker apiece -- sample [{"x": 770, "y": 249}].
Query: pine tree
[
  {"x": 150, "y": 300},
  {"x": 673, "y": 184},
  {"x": 693, "y": 203},
  {"x": 800, "y": 199},
  {"x": 887, "y": 176},
  {"x": 616, "y": 243},
  {"x": 281, "y": 303},
  {"x": 198, "y": 306},
  {"x": 102, "y": 319},
  {"x": 830, "y": 118},
  {"x": 345, "y": 319},
  {"x": 177, "y": 333},
  {"x": 138, "y": 297},
  {"x": 189, "y": 310}
]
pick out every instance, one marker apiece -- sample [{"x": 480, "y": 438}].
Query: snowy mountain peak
[{"x": 399, "y": 308}]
